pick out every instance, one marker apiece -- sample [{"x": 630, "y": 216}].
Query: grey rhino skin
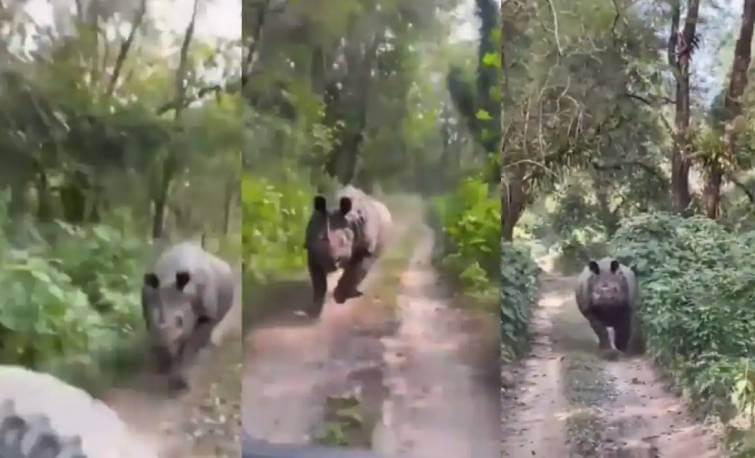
[
  {"x": 607, "y": 296},
  {"x": 352, "y": 236},
  {"x": 185, "y": 295}
]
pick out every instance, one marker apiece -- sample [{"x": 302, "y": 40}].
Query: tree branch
[
  {"x": 621, "y": 164},
  {"x": 742, "y": 186},
  {"x": 126, "y": 46},
  {"x": 555, "y": 27},
  {"x": 647, "y": 102}
]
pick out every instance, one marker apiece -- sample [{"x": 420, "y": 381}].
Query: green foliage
[
  {"x": 470, "y": 220},
  {"x": 518, "y": 293},
  {"x": 67, "y": 298},
  {"x": 346, "y": 424},
  {"x": 275, "y": 218},
  {"x": 697, "y": 289}
]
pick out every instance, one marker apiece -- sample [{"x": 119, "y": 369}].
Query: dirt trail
[
  {"x": 570, "y": 402},
  {"x": 439, "y": 404},
  {"x": 201, "y": 423},
  {"x": 414, "y": 362}
]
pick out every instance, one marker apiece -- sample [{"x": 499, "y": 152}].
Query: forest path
[
  {"x": 571, "y": 402},
  {"x": 419, "y": 368}
]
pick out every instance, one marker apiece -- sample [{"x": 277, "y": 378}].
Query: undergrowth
[
  {"x": 70, "y": 298},
  {"x": 698, "y": 291},
  {"x": 518, "y": 294},
  {"x": 469, "y": 221}
]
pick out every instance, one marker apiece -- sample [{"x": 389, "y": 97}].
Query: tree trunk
[
  {"x": 229, "y": 195},
  {"x": 680, "y": 53},
  {"x": 44, "y": 202},
  {"x": 158, "y": 217},
  {"x": 126, "y": 47},
  {"x": 17, "y": 204},
  {"x": 732, "y": 108},
  {"x": 170, "y": 163},
  {"x": 513, "y": 200},
  {"x": 353, "y": 107}
]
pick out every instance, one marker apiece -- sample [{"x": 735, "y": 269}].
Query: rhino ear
[
  {"x": 151, "y": 280},
  {"x": 320, "y": 204},
  {"x": 345, "y": 205},
  {"x": 182, "y": 279},
  {"x": 594, "y": 267},
  {"x": 614, "y": 266}
]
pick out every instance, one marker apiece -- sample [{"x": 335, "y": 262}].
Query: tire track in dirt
[{"x": 629, "y": 412}]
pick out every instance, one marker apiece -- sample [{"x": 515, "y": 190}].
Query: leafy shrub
[
  {"x": 275, "y": 217},
  {"x": 698, "y": 287},
  {"x": 71, "y": 296},
  {"x": 518, "y": 292},
  {"x": 470, "y": 221}
]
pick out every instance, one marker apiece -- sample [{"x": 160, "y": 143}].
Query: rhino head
[
  {"x": 169, "y": 309},
  {"x": 331, "y": 235}
]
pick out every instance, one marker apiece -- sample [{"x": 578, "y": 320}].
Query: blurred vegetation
[{"x": 119, "y": 135}]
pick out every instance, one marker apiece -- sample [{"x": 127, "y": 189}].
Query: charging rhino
[
  {"x": 352, "y": 236},
  {"x": 607, "y": 296},
  {"x": 185, "y": 295}
]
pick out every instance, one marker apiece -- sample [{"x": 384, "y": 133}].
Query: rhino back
[{"x": 376, "y": 218}]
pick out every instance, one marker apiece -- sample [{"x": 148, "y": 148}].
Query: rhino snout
[{"x": 607, "y": 295}]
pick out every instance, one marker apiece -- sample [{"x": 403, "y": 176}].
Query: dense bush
[
  {"x": 71, "y": 296},
  {"x": 470, "y": 221},
  {"x": 698, "y": 291},
  {"x": 275, "y": 217},
  {"x": 518, "y": 292}
]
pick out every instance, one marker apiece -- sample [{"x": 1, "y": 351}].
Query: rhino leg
[
  {"x": 319, "y": 287},
  {"x": 621, "y": 334},
  {"x": 356, "y": 270},
  {"x": 635, "y": 344},
  {"x": 162, "y": 359},
  {"x": 198, "y": 339},
  {"x": 604, "y": 342}
]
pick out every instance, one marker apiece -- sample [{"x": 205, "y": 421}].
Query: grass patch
[{"x": 347, "y": 424}]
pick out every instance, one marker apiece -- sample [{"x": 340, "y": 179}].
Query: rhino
[
  {"x": 352, "y": 237},
  {"x": 607, "y": 296},
  {"x": 185, "y": 295}
]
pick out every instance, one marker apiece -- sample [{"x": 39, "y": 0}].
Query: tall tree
[
  {"x": 732, "y": 109},
  {"x": 680, "y": 47}
]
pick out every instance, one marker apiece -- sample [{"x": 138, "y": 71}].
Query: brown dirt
[{"x": 569, "y": 401}]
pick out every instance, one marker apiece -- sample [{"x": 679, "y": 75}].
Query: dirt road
[
  {"x": 570, "y": 402},
  {"x": 418, "y": 368}
]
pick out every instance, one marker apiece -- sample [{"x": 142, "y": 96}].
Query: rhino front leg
[
  {"x": 353, "y": 274},
  {"x": 162, "y": 359},
  {"x": 319, "y": 287},
  {"x": 604, "y": 342},
  {"x": 198, "y": 340},
  {"x": 621, "y": 334},
  {"x": 635, "y": 343}
]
